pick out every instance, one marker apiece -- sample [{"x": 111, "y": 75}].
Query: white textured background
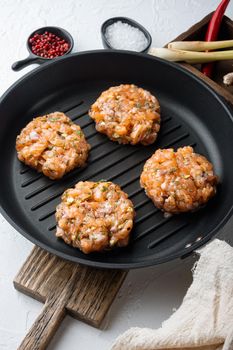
[{"x": 148, "y": 296}]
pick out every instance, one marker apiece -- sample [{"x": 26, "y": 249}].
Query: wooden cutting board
[
  {"x": 66, "y": 288},
  {"x": 86, "y": 293}
]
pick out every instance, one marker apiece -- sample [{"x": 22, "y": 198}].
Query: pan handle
[{"x": 18, "y": 65}]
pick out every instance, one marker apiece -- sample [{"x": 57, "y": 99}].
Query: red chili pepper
[{"x": 213, "y": 30}]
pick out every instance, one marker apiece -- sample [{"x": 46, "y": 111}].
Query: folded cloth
[{"x": 204, "y": 321}]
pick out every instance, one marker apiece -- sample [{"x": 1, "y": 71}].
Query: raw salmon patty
[
  {"x": 52, "y": 144},
  {"x": 127, "y": 114},
  {"x": 178, "y": 181},
  {"x": 94, "y": 216}
]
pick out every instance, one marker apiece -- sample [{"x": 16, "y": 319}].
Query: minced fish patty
[
  {"x": 178, "y": 181},
  {"x": 127, "y": 114},
  {"x": 95, "y": 216},
  {"x": 52, "y": 144}
]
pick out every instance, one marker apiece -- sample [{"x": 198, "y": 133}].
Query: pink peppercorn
[{"x": 48, "y": 45}]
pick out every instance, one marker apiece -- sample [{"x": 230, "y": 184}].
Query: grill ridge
[
  {"x": 166, "y": 235},
  {"x": 173, "y": 128},
  {"x": 166, "y": 119},
  {"x": 154, "y": 227},
  {"x": 25, "y": 170},
  {"x": 87, "y": 124},
  {"x": 91, "y": 135},
  {"x": 31, "y": 180},
  {"x": 44, "y": 217},
  {"x": 146, "y": 216},
  {"x": 142, "y": 203},
  {"x": 68, "y": 109},
  {"x": 136, "y": 192}
]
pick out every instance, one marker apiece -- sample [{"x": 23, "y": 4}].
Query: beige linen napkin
[{"x": 204, "y": 321}]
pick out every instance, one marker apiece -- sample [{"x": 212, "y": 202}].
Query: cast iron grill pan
[{"x": 192, "y": 114}]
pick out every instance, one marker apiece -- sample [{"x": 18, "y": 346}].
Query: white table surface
[{"x": 148, "y": 296}]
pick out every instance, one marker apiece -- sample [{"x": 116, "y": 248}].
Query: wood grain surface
[{"x": 83, "y": 292}]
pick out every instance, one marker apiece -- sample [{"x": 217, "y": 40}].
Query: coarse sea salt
[{"x": 123, "y": 36}]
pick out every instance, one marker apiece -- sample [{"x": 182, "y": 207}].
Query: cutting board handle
[
  {"x": 45, "y": 325},
  {"x": 83, "y": 292},
  {"x": 59, "y": 288}
]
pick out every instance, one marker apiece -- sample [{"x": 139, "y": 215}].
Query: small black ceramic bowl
[
  {"x": 32, "y": 58},
  {"x": 129, "y": 21}
]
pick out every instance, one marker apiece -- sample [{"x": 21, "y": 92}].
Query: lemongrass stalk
[
  {"x": 200, "y": 45},
  {"x": 191, "y": 56}
]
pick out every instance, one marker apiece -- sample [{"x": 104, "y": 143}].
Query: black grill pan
[{"x": 192, "y": 114}]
